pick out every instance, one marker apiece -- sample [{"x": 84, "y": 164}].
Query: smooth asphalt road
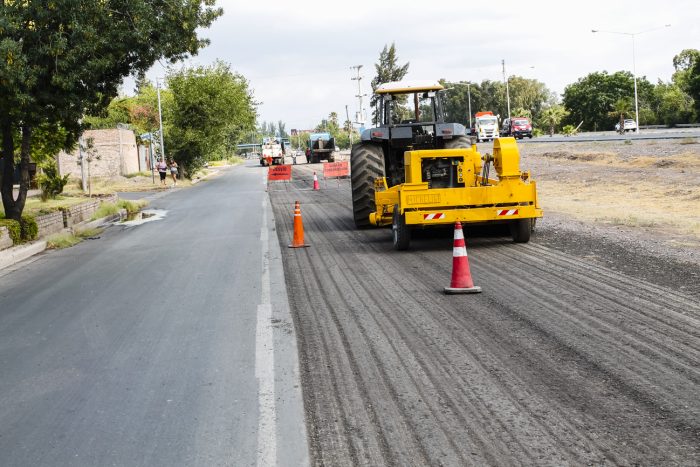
[{"x": 163, "y": 344}]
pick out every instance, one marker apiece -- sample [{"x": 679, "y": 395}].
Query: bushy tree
[
  {"x": 212, "y": 110},
  {"x": 388, "y": 70},
  {"x": 551, "y": 117},
  {"x": 64, "y": 57}
]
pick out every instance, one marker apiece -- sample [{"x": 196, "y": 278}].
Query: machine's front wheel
[
  {"x": 366, "y": 165},
  {"x": 458, "y": 142},
  {"x": 400, "y": 231},
  {"x": 520, "y": 230}
]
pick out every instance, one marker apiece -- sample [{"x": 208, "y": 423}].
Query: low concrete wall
[
  {"x": 5, "y": 240},
  {"x": 50, "y": 223},
  {"x": 83, "y": 212}
]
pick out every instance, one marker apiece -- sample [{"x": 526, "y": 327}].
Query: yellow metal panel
[
  {"x": 474, "y": 215},
  {"x": 506, "y": 157}
]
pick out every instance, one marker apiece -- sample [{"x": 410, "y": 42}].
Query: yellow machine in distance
[{"x": 443, "y": 186}]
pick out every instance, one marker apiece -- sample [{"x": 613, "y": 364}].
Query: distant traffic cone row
[
  {"x": 316, "y": 185},
  {"x": 461, "y": 276},
  {"x": 298, "y": 239}
]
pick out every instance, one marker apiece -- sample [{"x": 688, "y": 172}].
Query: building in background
[{"x": 117, "y": 151}]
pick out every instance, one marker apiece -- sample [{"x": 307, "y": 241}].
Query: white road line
[{"x": 265, "y": 360}]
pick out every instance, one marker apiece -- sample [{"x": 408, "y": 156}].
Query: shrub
[
  {"x": 105, "y": 209},
  {"x": 28, "y": 228},
  {"x": 14, "y": 228},
  {"x": 132, "y": 207},
  {"x": 568, "y": 130},
  {"x": 50, "y": 182},
  {"x": 536, "y": 132}
]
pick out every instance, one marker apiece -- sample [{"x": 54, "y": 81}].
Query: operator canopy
[{"x": 402, "y": 87}]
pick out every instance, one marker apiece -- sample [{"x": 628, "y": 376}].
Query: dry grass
[{"x": 633, "y": 203}]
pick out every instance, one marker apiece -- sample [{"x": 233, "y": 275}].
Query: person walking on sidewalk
[
  {"x": 173, "y": 171},
  {"x": 162, "y": 171}
]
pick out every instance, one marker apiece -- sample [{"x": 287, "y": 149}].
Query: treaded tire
[
  {"x": 458, "y": 142},
  {"x": 400, "y": 231},
  {"x": 366, "y": 165},
  {"x": 520, "y": 230}
]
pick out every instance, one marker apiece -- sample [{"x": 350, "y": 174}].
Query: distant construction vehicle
[
  {"x": 416, "y": 171},
  {"x": 272, "y": 152},
  {"x": 321, "y": 147}
]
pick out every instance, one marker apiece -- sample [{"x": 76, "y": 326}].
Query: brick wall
[
  {"x": 115, "y": 147},
  {"x": 49, "y": 223},
  {"x": 5, "y": 240},
  {"x": 83, "y": 212}
]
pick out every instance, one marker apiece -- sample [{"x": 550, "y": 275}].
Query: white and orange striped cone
[
  {"x": 316, "y": 185},
  {"x": 461, "y": 276},
  {"x": 298, "y": 239}
]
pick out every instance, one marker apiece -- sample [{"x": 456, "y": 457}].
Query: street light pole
[
  {"x": 634, "y": 64},
  {"x": 160, "y": 121},
  {"x": 469, "y": 99},
  {"x": 505, "y": 80}
]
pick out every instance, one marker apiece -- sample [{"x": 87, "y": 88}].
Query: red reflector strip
[
  {"x": 377, "y": 134},
  {"x": 446, "y": 131},
  {"x": 507, "y": 212},
  {"x": 433, "y": 216}
]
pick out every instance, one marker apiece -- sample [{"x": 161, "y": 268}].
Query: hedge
[{"x": 14, "y": 228}]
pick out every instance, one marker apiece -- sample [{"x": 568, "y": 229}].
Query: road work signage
[
  {"x": 279, "y": 172},
  {"x": 335, "y": 169}
]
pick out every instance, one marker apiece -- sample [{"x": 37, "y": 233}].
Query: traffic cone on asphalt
[
  {"x": 316, "y": 185},
  {"x": 461, "y": 276},
  {"x": 298, "y": 239}
]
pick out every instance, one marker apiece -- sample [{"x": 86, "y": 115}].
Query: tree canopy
[
  {"x": 212, "y": 111},
  {"x": 388, "y": 70},
  {"x": 63, "y": 57}
]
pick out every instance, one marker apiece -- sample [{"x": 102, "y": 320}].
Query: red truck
[{"x": 517, "y": 127}]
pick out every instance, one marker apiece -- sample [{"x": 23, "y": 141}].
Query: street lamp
[
  {"x": 505, "y": 81},
  {"x": 634, "y": 64},
  {"x": 160, "y": 121}
]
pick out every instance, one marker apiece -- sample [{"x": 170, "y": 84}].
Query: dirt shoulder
[{"x": 644, "y": 195}]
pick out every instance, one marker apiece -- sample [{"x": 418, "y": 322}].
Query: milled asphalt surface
[{"x": 146, "y": 347}]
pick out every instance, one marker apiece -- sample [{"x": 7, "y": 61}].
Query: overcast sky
[{"x": 297, "y": 54}]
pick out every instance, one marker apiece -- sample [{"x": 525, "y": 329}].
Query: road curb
[{"x": 15, "y": 254}]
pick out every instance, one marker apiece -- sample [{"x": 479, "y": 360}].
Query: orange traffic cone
[
  {"x": 298, "y": 240},
  {"x": 316, "y": 185},
  {"x": 461, "y": 276}
]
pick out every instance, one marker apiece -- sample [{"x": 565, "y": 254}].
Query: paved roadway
[
  {"x": 664, "y": 133},
  {"x": 561, "y": 360},
  {"x": 168, "y": 343}
]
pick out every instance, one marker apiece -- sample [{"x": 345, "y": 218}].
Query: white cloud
[{"x": 298, "y": 54}]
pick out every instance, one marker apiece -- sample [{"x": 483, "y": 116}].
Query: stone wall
[
  {"x": 83, "y": 212},
  {"x": 5, "y": 240},
  {"x": 117, "y": 151},
  {"x": 50, "y": 223}
]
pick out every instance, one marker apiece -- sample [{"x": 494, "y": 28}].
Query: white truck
[
  {"x": 272, "y": 152},
  {"x": 485, "y": 126}
]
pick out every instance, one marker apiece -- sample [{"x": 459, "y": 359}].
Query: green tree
[
  {"x": 388, "y": 70},
  {"x": 212, "y": 110},
  {"x": 61, "y": 58},
  {"x": 687, "y": 76},
  {"x": 592, "y": 98},
  {"x": 551, "y": 117},
  {"x": 674, "y": 105}
]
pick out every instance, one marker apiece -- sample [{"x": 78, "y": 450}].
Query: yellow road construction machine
[{"x": 416, "y": 171}]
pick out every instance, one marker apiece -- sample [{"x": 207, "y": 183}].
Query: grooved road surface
[{"x": 559, "y": 361}]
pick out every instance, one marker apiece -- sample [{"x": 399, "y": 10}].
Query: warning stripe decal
[
  {"x": 433, "y": 216},
  {"x": 507, "y": 212}
]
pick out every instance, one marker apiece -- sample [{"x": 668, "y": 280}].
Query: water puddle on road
[{"x": 147, "y": 215}]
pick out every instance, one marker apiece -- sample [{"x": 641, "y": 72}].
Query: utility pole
[
  {"x": 160, "y": 121},
  {"x": 358, "y": 116},
  {"x": 505, "y": 80},
  {"x": 347, "y": 117},
  {"x": 469, "y": 97}
]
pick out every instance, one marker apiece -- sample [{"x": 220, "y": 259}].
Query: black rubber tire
[
  {"x": 366, "y": 165},
  {"x": 400, "y": 231},
  {"x": 458, "y": 142},
  {"x": 520, "y": 230}
]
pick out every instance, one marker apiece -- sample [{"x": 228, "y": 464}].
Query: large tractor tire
[
  {"x": 458, "y": 142},
  {"x": 366, "y": 165}
]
